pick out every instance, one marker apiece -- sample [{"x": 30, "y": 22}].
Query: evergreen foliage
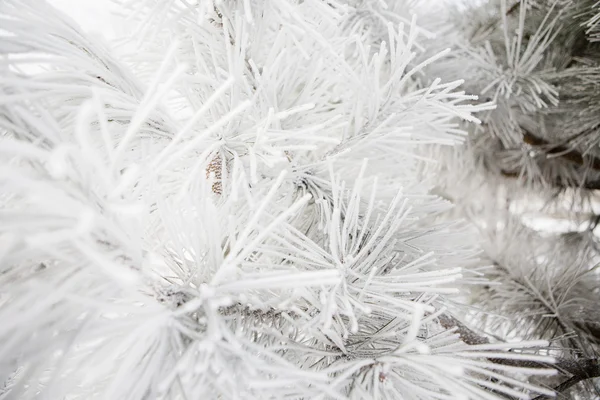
[
  {"x": 258, "y": 199},
  {"x": 531, "y": 170}
]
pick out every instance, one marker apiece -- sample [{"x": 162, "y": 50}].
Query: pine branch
[
  {"x": 494, "y": 23},
  {"x": 559, "y": 183},
  {"x": 466, "y": 335},
  {"x": 581, "y": 369},
  {"x": 561, "y": 151},
  {"x": 564, "y": 153},
  {"x": 513, "y": 8}
]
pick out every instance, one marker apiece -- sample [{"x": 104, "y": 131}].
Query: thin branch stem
[
  {"x": 561, "y": 151},
  {"x": 579, "y": 370}
]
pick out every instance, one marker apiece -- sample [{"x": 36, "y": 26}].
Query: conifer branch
[
  {"x": 559, "y": 182},
  {"x": 561, "y": 151},
  {"x": 564, "y": 153},
  {"x": 196, "y": 196},
  {"x": 513, "y": 8},
  {"x": 580, "y": 369}
]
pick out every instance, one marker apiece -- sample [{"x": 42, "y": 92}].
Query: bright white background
[{"x": 92, "y": 15}]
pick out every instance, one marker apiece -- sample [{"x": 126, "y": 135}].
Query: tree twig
[
  {"x": 561, "y": 151},
  {"x": 579, "y": 370},
  {"x": 513, "y": 8},
  {"x": 589, "y": 185}
]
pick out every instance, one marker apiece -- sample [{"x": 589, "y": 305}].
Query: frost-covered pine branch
[
  {"x": 531, "y": 170},
  {"x": 538, "y": 63},
  {"x": 232, "y": 205}
]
